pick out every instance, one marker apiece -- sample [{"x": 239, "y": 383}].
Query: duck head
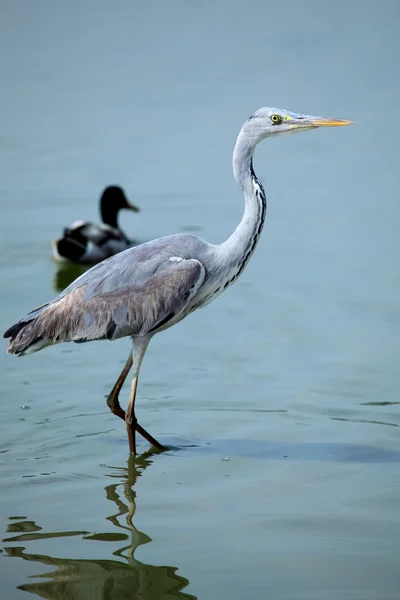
[{"x": 112, "y": 200}]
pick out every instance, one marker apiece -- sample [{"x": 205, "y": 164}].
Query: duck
[{"x": 87, "y": 243}]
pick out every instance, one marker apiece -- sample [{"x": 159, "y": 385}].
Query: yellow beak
[{"x": 319, "y": 121}]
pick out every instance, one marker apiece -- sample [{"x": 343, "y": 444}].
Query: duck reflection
[
  {"x": 122, "y": 579},
  {"x": 66, "y": 273}
]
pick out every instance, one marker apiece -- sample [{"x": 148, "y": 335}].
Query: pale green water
[{"x": 283, "y": 395}]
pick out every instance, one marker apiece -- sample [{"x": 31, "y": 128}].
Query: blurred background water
[{"x": 282, "y": 396}]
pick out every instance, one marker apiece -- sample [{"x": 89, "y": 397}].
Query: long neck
[
  {"x": 109, "y": 215},
  {"x": 239, "y": 247}
]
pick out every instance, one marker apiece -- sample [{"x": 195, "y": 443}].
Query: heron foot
[
  {"x": 115, "y": 407},
  {"x": 149, "y": 437},
  {"x": 132, "y": 428}
]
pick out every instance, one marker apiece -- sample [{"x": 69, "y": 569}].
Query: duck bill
[{"x": 133, "y": 207}]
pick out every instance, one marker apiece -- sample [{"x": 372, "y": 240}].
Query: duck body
[{"x": 89, "y": 243}]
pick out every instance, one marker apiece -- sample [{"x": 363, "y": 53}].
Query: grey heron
[
  {"x": 87, "y": 243},
  {"x": 149, "y": 288}
]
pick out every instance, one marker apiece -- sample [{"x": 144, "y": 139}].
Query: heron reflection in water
[{"x": 107, "y": 579}]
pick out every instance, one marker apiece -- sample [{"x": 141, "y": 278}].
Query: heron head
[{"x": 274, "y": 121}]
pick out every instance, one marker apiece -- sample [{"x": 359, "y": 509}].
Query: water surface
[{"x": 280, "y": 401}]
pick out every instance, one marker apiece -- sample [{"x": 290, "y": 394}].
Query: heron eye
[{"x": 276, "y": 119}]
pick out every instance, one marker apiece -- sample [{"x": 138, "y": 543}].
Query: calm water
[{"x": 282, "y": 397}]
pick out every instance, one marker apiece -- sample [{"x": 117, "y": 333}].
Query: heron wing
[
  {"x": 145, "y": 308},
  {"x": 135, "y": 266},
  {"x": 133, "y": 309}
]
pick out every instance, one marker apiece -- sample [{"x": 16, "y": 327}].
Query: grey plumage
[
  {"x": 130, "y": 294},
  {"x": 150, "y": 287}
]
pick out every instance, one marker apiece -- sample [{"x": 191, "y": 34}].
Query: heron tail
[{"x": 24, "y": 336}]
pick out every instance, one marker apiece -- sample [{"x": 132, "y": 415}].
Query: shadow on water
[
  {"x": 294, "y": 451},
  {"x": 66, "y": 273},
  {"x": 126, "y": 578}
]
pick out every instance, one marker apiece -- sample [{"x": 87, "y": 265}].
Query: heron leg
[
  {"x": 139, "y": 349},
  {"x": 112, "y": 399},
  {"x": 132, "y": 425},
  {"x": 115, "y": 407},
  {"x": 130, "y": 417}
]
